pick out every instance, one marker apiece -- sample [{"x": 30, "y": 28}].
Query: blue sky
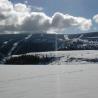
[{"x": 85, "y": 8}]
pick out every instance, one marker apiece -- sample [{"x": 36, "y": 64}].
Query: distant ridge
[{"x": 15, "y": 44}]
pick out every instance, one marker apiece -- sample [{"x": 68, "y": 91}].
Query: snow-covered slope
[
  {"x": 71, "y": 57},
  {"x": 65, "y": 81}
]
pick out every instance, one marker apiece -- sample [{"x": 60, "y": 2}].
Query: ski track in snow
[
  {"x": 5, "y": 43},
  {"x": 16, "y": 43},
  {"x": 28, "y": 37},
  {"x": 14, "y": 46}
]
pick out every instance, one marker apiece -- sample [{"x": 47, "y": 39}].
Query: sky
[
  {"x": 86, "y": 8},
  {"x": 60, "y": 16}
]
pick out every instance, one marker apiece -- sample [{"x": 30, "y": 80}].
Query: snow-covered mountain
[{"x": 17, "y": 44}]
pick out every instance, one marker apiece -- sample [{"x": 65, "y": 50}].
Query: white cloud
[
  {"x": 85, "y": 24},
  {"x": 37, "y": 9},
  {"x": 5, "y": 9},
  {"x": 36, "y": 22},
  {"x": 20, "y": 17},
  {"x": 95, "y": 18},
  {"x": 61, "y": 21},
  {"x": 21, "y": 8}
]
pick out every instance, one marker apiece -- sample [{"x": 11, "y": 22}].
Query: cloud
[
  {"x": 85, "y": 24},
  {"x": 61, "y": 21},
  {"x": 21, "y": 8},
  {"x": 20, "y": 17},
  {"x": 95, "y": 18},
  {"x": 37, "y": 9},
  {"x": 38, "y": 22},
  {"x": 26, "y": 1},
  {"x": 5, "y": 8}
]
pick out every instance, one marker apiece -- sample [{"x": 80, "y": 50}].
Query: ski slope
[{"x": 65, "y": 81}]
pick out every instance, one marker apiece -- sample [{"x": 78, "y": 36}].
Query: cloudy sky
[{"x": 60, "y": 16}]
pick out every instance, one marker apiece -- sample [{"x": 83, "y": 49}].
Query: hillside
[{"x": 16, "y": 44}]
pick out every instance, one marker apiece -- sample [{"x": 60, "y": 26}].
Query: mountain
[
  {"x": 92, "y": 36},
  {"x": 16, "y": 44}
]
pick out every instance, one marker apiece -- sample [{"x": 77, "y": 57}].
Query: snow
[
  {"x": 28, "y": 37},
  {"x": 13, "y": 47},
  {"x": 5, "y": 42},
  {"x": 64, "y": 56},
  {"x": 64, "y": 81}
]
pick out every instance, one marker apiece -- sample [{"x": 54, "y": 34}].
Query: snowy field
[
  {"x": 71, "y": 57},
  {"x": 64, "y": 81}
]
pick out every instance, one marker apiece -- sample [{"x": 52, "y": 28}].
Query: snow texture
[
  {"x": 70, "y": 57},
  {"x": 65, "y": 81}
]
